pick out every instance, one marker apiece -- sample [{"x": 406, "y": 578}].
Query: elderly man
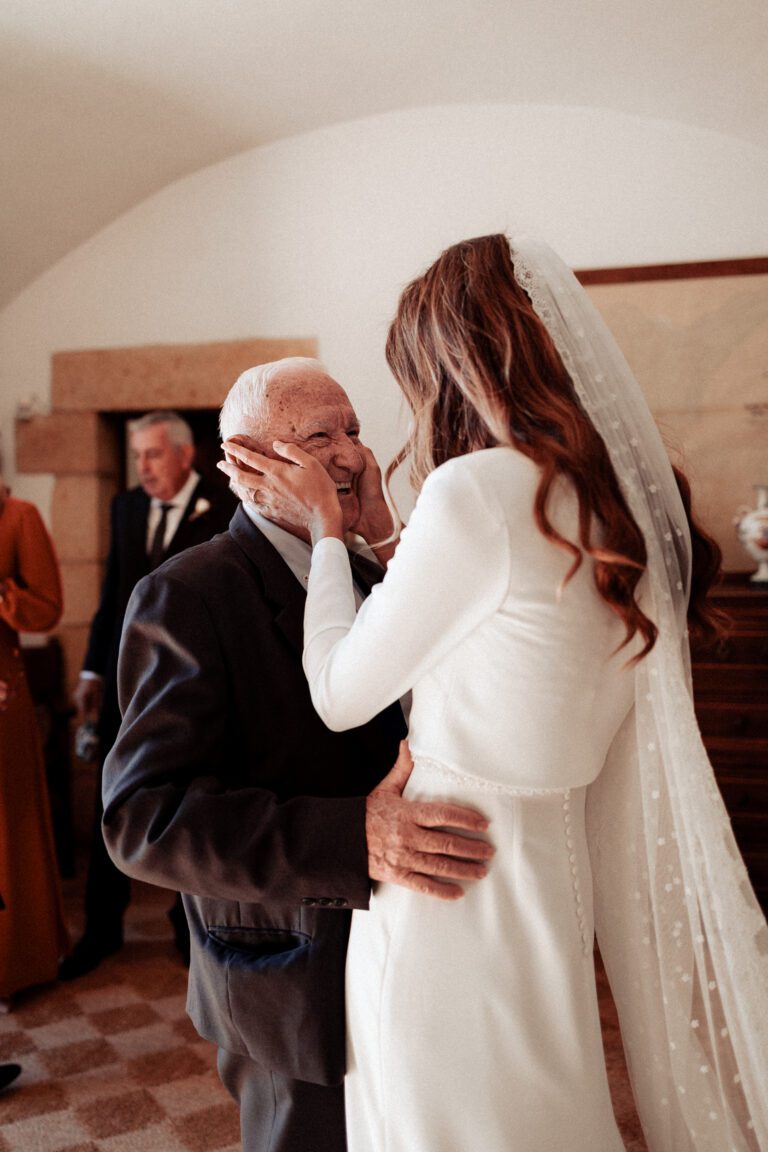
[
  {"x": 172, "y": 508},
  {"x": 225, "y": 783}
]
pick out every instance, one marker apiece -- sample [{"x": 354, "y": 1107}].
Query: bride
[{"x": 537, "y": 605}]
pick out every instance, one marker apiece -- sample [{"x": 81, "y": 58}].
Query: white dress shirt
[
  {"x": 297, "y": 553},
  {"x": 178, "y": 503}
]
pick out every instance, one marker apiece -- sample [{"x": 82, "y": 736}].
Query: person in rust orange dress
[{"x": 32, "y": 928}]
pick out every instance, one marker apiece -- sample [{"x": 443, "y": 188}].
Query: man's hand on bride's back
[{"x": 419, "y": 844}]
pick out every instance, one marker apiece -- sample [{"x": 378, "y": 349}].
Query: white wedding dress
[{"x": 473, "y": 1025}]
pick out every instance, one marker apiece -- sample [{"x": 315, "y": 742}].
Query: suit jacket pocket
[
  {"x": 284, "y": 997},
  {"x": 262, "y": 947}
]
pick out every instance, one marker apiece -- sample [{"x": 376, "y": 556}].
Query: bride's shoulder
[
  {"x": 496, "y": 480},
  {"x": 500, "y": 465}
]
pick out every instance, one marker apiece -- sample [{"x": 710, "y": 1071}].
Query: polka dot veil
[{"x": 683, "y": 939}]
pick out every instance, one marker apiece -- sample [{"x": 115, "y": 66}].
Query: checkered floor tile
[
  {"x": 110, "y": 1061},
  {"x": 112, "y": 1064}
]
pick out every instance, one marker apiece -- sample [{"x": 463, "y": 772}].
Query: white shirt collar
[{"x": 297, "y": 553}]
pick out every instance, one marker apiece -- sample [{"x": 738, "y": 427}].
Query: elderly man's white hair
[
  {"x": 179, "y": 431},
  {"x": 245, "y": 409}
]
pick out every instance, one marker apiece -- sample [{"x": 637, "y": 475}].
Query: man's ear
[{"x": 187, "y": 455}]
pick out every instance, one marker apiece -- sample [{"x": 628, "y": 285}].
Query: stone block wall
[{"x": 80, "y": 443}]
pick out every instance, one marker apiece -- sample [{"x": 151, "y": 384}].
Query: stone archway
[{"x": 79, "y": 443}]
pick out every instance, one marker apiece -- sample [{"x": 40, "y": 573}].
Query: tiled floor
[{"x": 112, "y": 1064}]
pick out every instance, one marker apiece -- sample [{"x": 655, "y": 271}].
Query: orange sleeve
[{"x": 31, "y": 599}]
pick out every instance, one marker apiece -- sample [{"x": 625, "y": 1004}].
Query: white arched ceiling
[
  {"x": 315, "y": 235},
  {"x": 104, "y": 102}
]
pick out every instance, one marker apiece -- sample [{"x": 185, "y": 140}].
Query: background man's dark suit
[
  {"x": 225, "y": 784},
  {"x": 107, "y": 889}
]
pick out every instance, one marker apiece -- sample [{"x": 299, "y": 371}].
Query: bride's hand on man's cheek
[
  {"x": 375, "y": 522},
  {"x": 294, "y": 487},
  {"x": 240, "y": 464}
]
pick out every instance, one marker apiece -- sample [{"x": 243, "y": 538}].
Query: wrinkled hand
[
  {"x": 375, "y": 523},
  {"x": 295, "y": 489},
  {"x": 409, "y": 844},
  {"x": 375, "y": 520},
  {"x": 87, "y": 698}
]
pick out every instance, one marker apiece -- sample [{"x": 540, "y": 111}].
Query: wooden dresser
[{"x": 730, "y": 681}]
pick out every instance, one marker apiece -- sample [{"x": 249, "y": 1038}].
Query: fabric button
[
  {"x": 339, "y": 902},
  {"x": 323, "y": 901},
  {"x": 308, "y": 901}
]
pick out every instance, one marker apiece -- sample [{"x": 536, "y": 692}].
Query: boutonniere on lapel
[{"x": 201, "y": 507}]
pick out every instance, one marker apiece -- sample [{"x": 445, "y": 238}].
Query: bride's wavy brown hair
[{"x": 479, "y": 369}]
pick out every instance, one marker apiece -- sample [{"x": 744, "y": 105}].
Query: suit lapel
[
  {"x": 387, "y": 728},
  {"x": 136, "y": 528},
  {"x": 182, "y": 537},
  {"x": 281, "y": 588},
  {"x": 366, "y": 572},
  {"x": 286, "y": 594}
]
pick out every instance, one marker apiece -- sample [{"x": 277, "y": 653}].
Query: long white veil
[{"x": 683, "y": 938}]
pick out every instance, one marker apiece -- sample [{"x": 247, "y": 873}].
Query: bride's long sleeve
[{"x": 449, "y": 573}]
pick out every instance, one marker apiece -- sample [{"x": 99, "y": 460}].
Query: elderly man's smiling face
[{"x": 308, "y": 408}]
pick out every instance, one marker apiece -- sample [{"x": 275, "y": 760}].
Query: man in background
[{"x": 172, "y": 508}]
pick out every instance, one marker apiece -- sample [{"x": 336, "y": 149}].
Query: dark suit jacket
[
  {"x": 225, "y": 784},
  {"x": 127, "y": 562}
]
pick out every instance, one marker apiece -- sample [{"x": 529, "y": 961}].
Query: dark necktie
[
  {"x": 157, "y": 547},
  {"x": 389, "y": 724},
  {"x": 365, "y": 572}
]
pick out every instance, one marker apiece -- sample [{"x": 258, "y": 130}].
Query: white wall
[{"x": 315, "y": 235}]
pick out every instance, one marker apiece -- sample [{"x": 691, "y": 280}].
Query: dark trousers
[
  {"x": 107, "y": 889},
  {"x": 282, "y": 1115}
]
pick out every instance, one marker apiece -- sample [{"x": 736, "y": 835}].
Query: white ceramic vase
[{"x": 752, "y": 527}]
